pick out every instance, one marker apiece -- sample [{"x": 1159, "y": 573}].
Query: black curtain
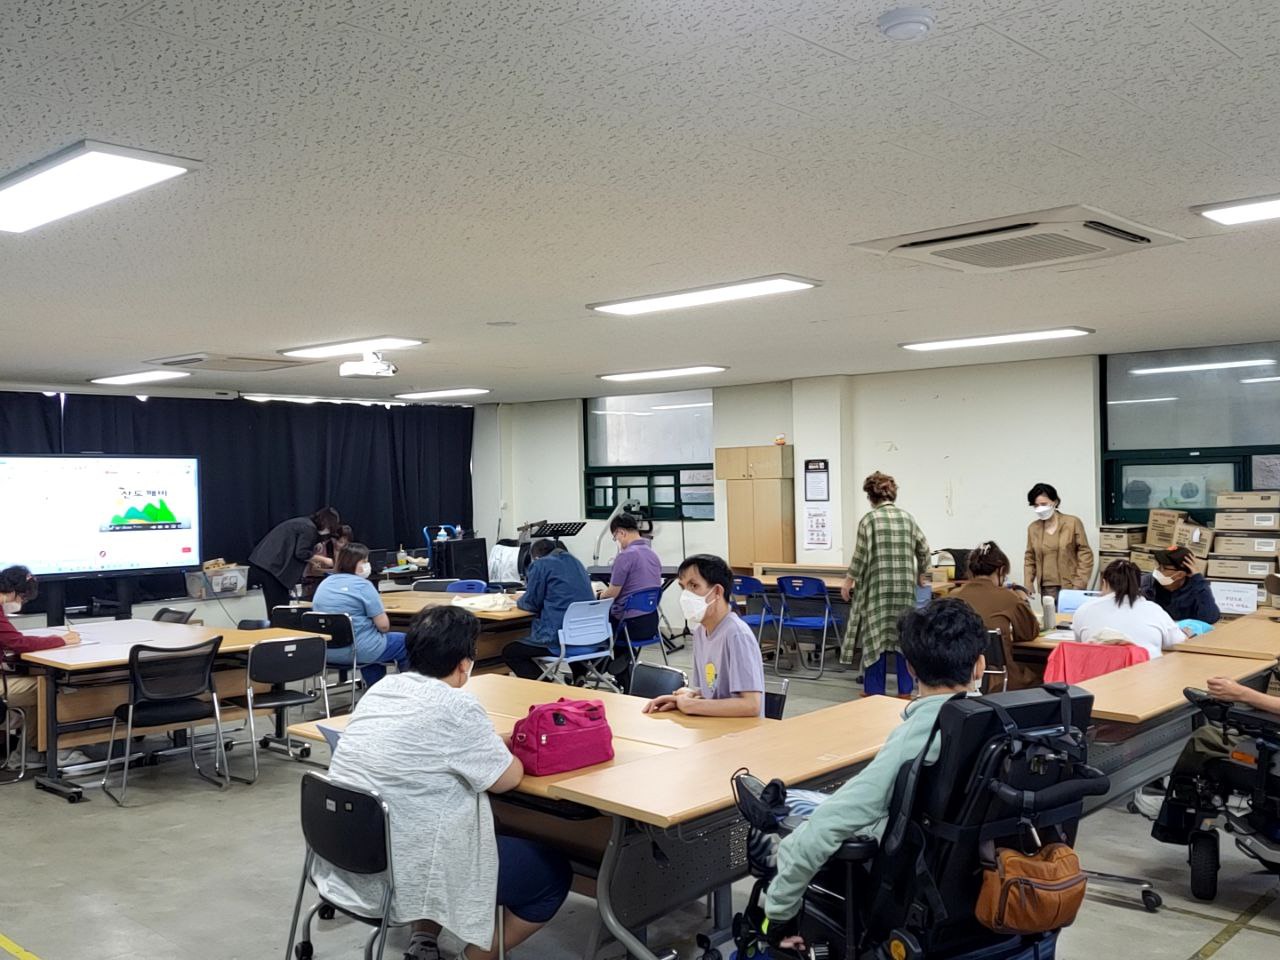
[
  {"x": 388, "y": 472},
  {"x": 30, "y": 423}
]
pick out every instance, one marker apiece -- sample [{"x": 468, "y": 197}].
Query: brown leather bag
[{"x": 1031, "y": 893}]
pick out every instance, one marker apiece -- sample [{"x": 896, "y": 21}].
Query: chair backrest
[
  {"x": 943, "y": 812},
  {"x": 378, "y": 560},
  {"x": 586, "y": 623},
  {"x": 428, "y": 585},
  {"x": 253, "y": 624},
  {"x": 170, "y": 615},
  {"x": 288, "y": 617},
  {"x": 467, "y": 586},
  {"x": 803, "y": 597},
  {"x": 1069, "y": 601},
  {"x": 286, "y": 661},
  {"x": 644, "y": 601},
  {"x": 347, "y": 826},
  {"x": 747, "y": 586},
  {"x": 158, "y": 674},
  {"x": 924, "y": 596},
  {"x": 995, "y": 649},
  {"x": 335, "y": 626},
  {"x": 651, "y": 680},
  {"x": 795, "y": 587},
  {"x": 775, "y": 701}
]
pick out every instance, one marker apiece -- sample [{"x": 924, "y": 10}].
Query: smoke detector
[
  {"x": 370, "y": 366},
  {"x": 906, "y": 24}
]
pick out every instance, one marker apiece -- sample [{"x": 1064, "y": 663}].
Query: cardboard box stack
[
  {"x": 1246, "y": 545},
  {"x": 1115, "y": 540}
]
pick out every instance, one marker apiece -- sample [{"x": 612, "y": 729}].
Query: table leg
[
  {"x": 53, "y": 781},
  {"x": 721, "y": 915},
  {"x": 604, "y": 895}
]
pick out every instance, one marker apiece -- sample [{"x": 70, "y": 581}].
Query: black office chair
[
  {"x": 288, "y": 617},
  {"x": 166, "y": 687},
  {"x": 172, "y": 615},
  {"x": 280, "y": 662},
  {"x": 350, "y": 829},
  {"x": 995, "y": 678},
  {"x": 651, "y": 680},
  {"x": 340, "y": 635},
  {"x": 913, "y": 893},
  {"x": 429, "y": 585},
  {"x": 253, "y": 625},
  {"x": 775, "y": 701}
]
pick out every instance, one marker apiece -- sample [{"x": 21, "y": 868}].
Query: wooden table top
[
  {"x": 1146, "y": 690},
  {"x": 113, "y": 639},
  {"x": 1256, "y": 638},
  {"x": 681, "y": 785},
  {"x": 409, "y": 602}
]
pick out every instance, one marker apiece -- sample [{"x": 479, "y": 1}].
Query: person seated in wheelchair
[
  {"x": 1212, "y": 766},
  {"x": 943, "y": 645}
]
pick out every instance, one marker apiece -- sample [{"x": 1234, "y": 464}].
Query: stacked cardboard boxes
[
  {"x": 1246, "y": 546},
  {"x": 1116, "y": 540}
]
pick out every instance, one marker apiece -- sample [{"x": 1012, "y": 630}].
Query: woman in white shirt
[
  {"x": 1123, "y": 610},
  {"x": 428, "y": 747}
]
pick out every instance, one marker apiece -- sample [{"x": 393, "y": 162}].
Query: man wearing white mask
[
  {"x": 728, "y": 670},
  {"x": 1179, "y": 587},
  {"x": 1058, "y": 555},
  {"x": 348, "y": 590}
]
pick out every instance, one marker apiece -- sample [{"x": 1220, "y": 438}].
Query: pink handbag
[{"x": 560, "y": 736}]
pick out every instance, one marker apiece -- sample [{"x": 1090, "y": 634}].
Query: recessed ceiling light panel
[
  {"x": 146, "y": 376},
  {"x": 352, "y": 348},
  {"x": 77, "y": 178},
  {"x": 700, "y": 296},
  {"x": 444, "y": 394},
  {"x": 1119, "y": 403},
  {"x": 999, "y": 339},
  {"x": 1261, "y": 380},
  {"x": 1235, "y": 212},
  {"x": 1197, "y": 367},
  {"x": 660, "y": 374}
]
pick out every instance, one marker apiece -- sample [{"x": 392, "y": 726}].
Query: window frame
[{"x": 672, "y": 510}]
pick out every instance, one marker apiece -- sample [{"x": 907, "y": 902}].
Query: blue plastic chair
[
  {"x": 643, "y": 601},
  {"x": 749, "y": 588},
  {"x": 467, "y": 586},
  {"x": 806, "y": 605},
  {"x": 585, "y": 627}
]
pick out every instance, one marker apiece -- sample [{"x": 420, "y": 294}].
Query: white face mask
[
  {"x": 1045, "y": 512},
  {"x": 12, "y": 606},
  {"x": 364, "y": 569},
  {"x": 1161, "y": 579},
  {"x": 693, "y": 606}
]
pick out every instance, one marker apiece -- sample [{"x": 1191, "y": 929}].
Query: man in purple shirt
[{"x": 635, "y": 568}]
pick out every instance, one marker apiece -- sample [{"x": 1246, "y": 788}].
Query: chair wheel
[
  {"x": 327, "y": 912},
  {"x": 1151, "y": 901},
  {"x": 228, "y": 746},
  {"x": 304, "y": 752},
  {"x": 304, "y": 950},
  {"x": 264, "y": 742}
]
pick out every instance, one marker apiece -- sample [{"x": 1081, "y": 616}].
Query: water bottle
[
  {"x": 1050, "y": 613},
  {"x": 442, "y": 535},
  {"x": 401, "y": 556}
]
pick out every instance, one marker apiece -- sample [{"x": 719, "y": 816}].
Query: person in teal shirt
[
  {"x": 943, "y": 645},
  {"x": 348, "y": 590}
]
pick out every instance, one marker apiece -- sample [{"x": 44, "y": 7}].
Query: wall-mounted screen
[{"x": 91, "y": 516}]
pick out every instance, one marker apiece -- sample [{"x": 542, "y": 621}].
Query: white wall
[{"x": 966, "y": 443}]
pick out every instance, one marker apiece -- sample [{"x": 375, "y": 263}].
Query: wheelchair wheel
[
  {"x": 304, "y": 950},
  {"x": 1151, "y": 901},
  {"x": 1203, "y": 857}
]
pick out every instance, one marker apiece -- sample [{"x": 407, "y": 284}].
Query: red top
[
  {"x": 1074, "y": 662},
  {"x": 12, "y": 639}
]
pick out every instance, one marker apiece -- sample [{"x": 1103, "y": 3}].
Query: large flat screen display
[{"x": 91, "y": 516}]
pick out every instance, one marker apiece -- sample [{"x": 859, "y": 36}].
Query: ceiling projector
[{"x": 370, "y": 366}]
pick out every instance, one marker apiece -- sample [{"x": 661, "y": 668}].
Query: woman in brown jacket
[
  {"x": 1001, "y": 609},
  {"x": 1058, "y": 554}
]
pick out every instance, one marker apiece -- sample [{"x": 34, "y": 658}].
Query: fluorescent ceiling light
[
  {"x": 350, "y": 348},
  {"x": 1261, "y": 380},
  {"x": 1241, "y": 211},
  {"x": 77, "y": 178},
  {"x": 147, "y": 376},
  {"x": 1195, "y": 367},
  {"x": 1058, "y": 333},
  {"x": 699, "y": 296},
  {"x": 622, "y": 413},
  {"x": 660, "y": 374},
  {"x": 442, "y": 394},
  {"x": 268, "y": 397},
  {"x": 680, "y": 406},
  {"x": 1116, "y": 403}
]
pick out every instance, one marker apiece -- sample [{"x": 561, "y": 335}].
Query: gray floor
[{"x": 191, "y": 872}]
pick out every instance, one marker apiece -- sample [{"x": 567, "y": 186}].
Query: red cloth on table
[{"x": 1072, "y": 662}]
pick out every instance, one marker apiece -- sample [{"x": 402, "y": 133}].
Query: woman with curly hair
[{"x": 890, "y": 558}]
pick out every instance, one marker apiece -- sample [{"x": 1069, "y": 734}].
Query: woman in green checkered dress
[{"x": 890, "y": 559}]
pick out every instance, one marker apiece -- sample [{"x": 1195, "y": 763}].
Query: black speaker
[{"x": 462, "y": 559}]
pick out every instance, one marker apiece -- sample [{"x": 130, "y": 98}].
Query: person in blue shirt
[
  {"x": 556, "y": 578},
  {"x": 348, "y": 590},
  {"x": 1179, "y": 587}
]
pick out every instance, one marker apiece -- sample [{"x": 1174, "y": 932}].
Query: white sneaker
[
  {"x": 1148, "y": 804},
  {"x": 71, "y": 758}
]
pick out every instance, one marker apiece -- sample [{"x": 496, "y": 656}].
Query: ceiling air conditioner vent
[
  {"x": 224, "y": 363},
  {"x": 1063, "y": 235}
]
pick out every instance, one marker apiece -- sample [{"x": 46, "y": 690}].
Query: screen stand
[
  {"x": 54, "y": 594},
  {"x": 124, "y": 598}
]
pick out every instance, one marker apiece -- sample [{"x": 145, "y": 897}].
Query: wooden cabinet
[{"x": 760, "y": 504}]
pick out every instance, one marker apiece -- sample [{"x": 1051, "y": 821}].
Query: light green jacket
[{"x": 859, "y": 808}]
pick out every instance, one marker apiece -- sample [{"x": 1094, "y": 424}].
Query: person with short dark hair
[
  {"x": 555, "y": 579},
  {"x": 278, "y": 561},
  {"x": 348, "y": 590},
  {"x": 1058, "y": 555},
  {"x": 943, "y": 644},
  {"x": 323, "y": 555},
  {"x": 1001, "y": 608},
  {"x": 635, "y": 568},
  {"x": 727, "y": 666},
  {"x": 890, "y": 557},
  {"x": 1180, "y": 588},
  {"x": 19, "y": 586},
  {"x": 1123, "y": 614},
  {"x": 431, "y": 752}
]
